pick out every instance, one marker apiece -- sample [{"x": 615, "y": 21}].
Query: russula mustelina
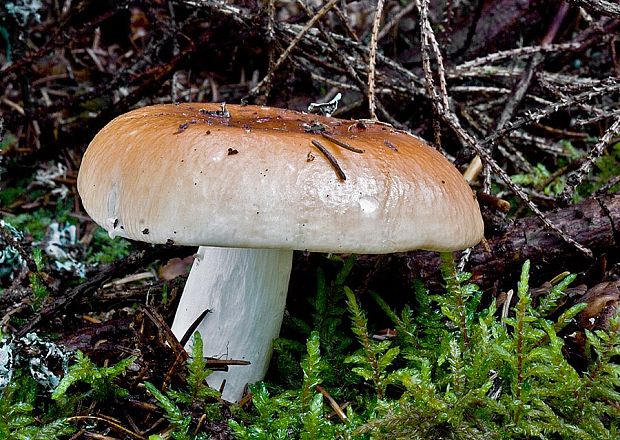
[{"x": 249, "y": 185}]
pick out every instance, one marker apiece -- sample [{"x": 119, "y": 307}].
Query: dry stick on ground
[
  {"x": 469, "y": 140},
  {"x": 450, "y": 118},
  {"x": 373, "y": 60},
  {"x": 598, "y": 88},
  {"x": 116, "y": 269},
  {"x": 575, "y": 178},
  {"x": 526, "y": 78},
  {"x": 597, "y": 118},
  {"x": 593, "y": 222},
  {"x": 412, "y": 82},
  {"x": 347, "y": 26},
  {"x": 61, "y": 37},
  {"x": 267, "y": 79},
  {"x": 514, "y": 99},
  {"x": 333, "y": 47},
  {"x": 141, "y": 81},
  {"x": 517, "y": 52},
  {"x": 413, "y": 86}
]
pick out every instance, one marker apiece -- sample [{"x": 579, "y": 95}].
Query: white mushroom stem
[{"x": 245, "y": 291}]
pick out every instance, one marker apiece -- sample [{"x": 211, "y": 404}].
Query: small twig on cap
[
  {"x": 340, "y": 143},
  {"x": 373, "y": 60},
  {"x": 330, "y": 158}
]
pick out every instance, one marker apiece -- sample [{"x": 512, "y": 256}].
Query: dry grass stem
[{"x": 373, "y": 60}]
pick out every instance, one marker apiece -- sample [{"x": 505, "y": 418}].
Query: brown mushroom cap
[{"x": 195, "y": 175}]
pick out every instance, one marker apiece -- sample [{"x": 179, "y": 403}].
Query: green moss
[
  {"x": 197, "y": 394},
  {"x": 453, "y": 370},
  {"x": 104, "y": 249},
  {"x": 456, "y": 371},
  {"x": 606, "y": 168}
]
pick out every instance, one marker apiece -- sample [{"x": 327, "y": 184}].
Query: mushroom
[{"x": 249, "y": 185}]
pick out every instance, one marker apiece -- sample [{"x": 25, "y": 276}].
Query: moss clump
[{"x": 454, "y": 371}]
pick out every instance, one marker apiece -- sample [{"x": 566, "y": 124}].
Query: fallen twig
[
  {"x": 373, "y": 60},
  {"x": 576, "y": 177}
]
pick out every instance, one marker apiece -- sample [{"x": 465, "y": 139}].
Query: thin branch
[
  {"x": 601, "y": 6},
  {"x": 271, "y": 11},
  {"x": 267, "y": 79},
  {"x": 347, "y": 26},
  {"x": 516, "y": 97},
  {"x": 518, "y": 52},
  {"x": 599, "y": 117},
  {"x": 340, "y": 143},
  {"x": 395, "y": 20},
  {"x": 575, "y": 178},
  {"x": 439, "y": 100},
  {"x": 361, "y": 86},
  {"x": 450, "y": 118},
  {"x": 523, "y": 85},
  {"x": 373, "y": 60},
  {"x": 441, "y": 72},
  {"x": 470, "y": 141},
  {"x": 607, "y": 87},
  {"x": 348, "y": 63}
]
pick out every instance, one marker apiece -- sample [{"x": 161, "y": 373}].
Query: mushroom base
[{"x": 245, "y": 291}]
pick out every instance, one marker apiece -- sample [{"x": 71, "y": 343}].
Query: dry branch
[
  {"x": 373, "y": 59},
  {"x": 601, "y": 6},
  {"x": 440, "y": 101},
  {"x": 575, "y": 178},
  {"x": 594, "y": 222}
]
